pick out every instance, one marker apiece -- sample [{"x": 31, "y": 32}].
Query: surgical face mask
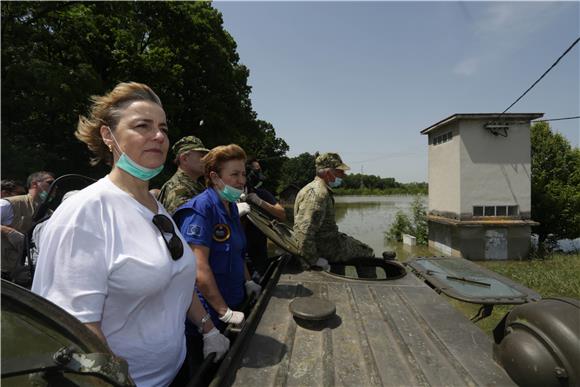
[
  {"x": 43, "y": 195},
  {"x": 229, "y": 193},
  {"x": 336, "y": 183},
  {"x": 132, "y": 168}
]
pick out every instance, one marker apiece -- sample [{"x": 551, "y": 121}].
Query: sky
[{"x": 364, "y": 78}]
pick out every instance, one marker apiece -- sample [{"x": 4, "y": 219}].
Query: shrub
[{"x": 416, "y": 227}]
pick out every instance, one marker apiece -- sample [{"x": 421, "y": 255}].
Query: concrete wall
[
  {"x": 494, "y": 170},
  {"x": 443, "y": 238},
  {"x": 444, "y": 189},
  {"x": 480, "y": 242}
]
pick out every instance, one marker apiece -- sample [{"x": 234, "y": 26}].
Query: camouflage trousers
[{"x": 343, "y": 248}]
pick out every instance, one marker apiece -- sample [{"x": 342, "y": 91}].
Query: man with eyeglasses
[{"x": 16, "y": 217}]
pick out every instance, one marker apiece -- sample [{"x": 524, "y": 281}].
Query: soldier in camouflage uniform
[
  {"x": 184, "y": 184},
  {"x": 315, "y": 229}
]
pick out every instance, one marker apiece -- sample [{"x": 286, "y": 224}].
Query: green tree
[
  {"x": 400, "y": 226},
  {"x": 56, "y": 54},
  {"x": 298, "y": 170},
  {"x": 555, "y": 183}
]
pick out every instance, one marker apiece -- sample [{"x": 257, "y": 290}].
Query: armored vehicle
[{"x": 316, "y": 328}]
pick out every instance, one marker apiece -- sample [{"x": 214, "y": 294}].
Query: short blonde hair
[
  {"x": 219, "y": 155},
  {"x": 106, "y": 110}
]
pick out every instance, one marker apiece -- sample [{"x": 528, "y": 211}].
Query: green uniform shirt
[
  {"x": 315, "y": 231},
  {"x": 178, "y": 190},
  {"x": 314, "y": 221}
]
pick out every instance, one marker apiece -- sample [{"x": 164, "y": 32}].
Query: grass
[{"x": 556, "y": 276}]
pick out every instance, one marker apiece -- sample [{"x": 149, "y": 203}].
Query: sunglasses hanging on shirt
[{"x": 165, "y": 226}]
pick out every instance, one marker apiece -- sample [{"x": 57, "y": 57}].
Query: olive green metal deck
[{"x": 385, "y": 333}]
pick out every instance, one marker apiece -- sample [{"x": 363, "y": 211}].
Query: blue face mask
[
  {"x": 336, "y": 183},
  {"x": 229, "y": 193},
  {"x": 132, "y": 168},
  {"x": 43, "y": 195}
]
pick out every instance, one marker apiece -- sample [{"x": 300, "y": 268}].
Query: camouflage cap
[
  {"x": 330, "y": 160},
  {"x": 189, "y": 143}
]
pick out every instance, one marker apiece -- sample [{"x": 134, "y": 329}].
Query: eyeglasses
[{"x": 165, "y": 226}]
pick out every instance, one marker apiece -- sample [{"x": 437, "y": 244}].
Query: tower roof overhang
[{"x": 488, "y": 116}]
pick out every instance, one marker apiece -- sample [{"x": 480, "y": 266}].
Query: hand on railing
[
  {"x": 215, "y": 342},
  {"x": 232, "y": 317}
]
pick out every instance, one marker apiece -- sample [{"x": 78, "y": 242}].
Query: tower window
[{"x": 503, "y": 210}]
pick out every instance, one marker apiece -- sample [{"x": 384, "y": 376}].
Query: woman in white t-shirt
[{"x": 111, "y": 255}]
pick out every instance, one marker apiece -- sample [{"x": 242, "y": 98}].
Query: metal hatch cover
[
  {"x": 312, "y": 308},
  {"x": 466, "y": 281},
  {"x": 279, "y": 233}
]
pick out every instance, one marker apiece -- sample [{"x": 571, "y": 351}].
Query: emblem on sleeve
[
  {"x": 221, "y": 232},
  {"x": 194, "y": 230}
]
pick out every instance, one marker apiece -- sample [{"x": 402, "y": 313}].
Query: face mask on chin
[
  {"x": 131, "y": 167},
  {"x": 229, "y": 193}
]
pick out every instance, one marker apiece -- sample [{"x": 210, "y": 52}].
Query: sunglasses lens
[
  {"x": 174, "y": 245},
  {"x": 163, "y": 223}
]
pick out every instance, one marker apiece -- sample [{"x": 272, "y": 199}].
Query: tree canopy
[
  {"x": 299, "y": 170},
  {"x": 55, "y": 55},
  {"x": 555, "y": 183}
]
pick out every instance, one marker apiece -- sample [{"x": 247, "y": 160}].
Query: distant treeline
[
  {"x": 300, "y": 170},
  {"x": 360, "y": 184}
]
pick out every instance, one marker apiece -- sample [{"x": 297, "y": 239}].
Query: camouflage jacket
[
  {"x": 314, "y": 220},
  {"x": 178, "y": 190}
]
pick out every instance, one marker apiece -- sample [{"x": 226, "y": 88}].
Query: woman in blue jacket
[{"x": 210, "y": 223}]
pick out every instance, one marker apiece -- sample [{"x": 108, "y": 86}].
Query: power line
[
  {"x": 539, "y": 79},
  {"x": 557, "y": 119}
]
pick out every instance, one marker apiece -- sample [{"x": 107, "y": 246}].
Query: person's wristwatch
[{"x": 202, "y": 322}]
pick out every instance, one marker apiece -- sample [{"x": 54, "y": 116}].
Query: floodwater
[{"x": 368, "y": 218}]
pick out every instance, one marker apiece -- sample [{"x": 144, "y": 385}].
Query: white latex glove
[
  {"x": 252, "y": 288},
  {"x": 254, "y": 199},
  {"x": 231, "y": 317},
  {"x": 243, "y": 208},
  {"x": 323, "y": 264},
  {"x": 214, "y": 341}
]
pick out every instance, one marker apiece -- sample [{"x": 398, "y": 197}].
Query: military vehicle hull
[{"x": 384, "y": 333}]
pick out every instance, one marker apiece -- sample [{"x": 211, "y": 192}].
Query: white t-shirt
[{"x": 102, "y": 259}]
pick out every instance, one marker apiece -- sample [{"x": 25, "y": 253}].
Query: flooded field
[{"x": 368, "y": 218}]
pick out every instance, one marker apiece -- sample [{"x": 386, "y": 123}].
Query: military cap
[
  {"x": 330, "y": 160},
  {"x": 189, "y": 143}
]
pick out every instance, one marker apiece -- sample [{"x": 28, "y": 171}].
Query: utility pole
[{"x": 361, "y": 177}]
